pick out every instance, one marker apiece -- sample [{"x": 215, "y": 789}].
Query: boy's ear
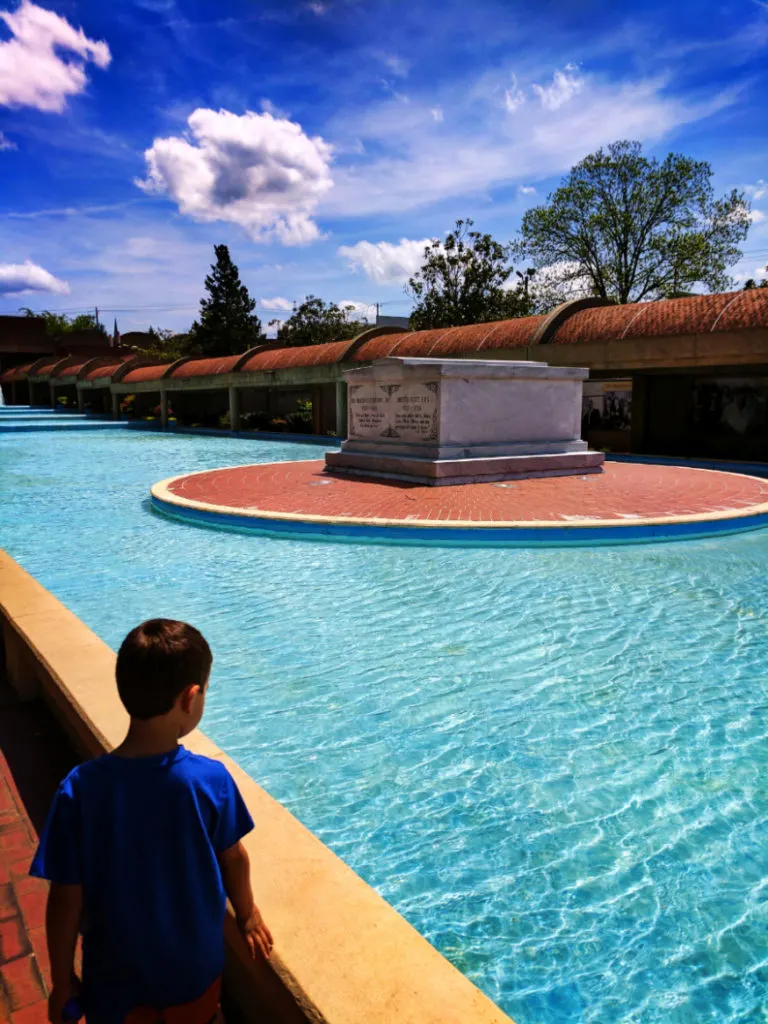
[{"x": 187, "y": 698}]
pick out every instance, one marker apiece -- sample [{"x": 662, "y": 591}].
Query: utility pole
[{"x": 97, "y": 316}]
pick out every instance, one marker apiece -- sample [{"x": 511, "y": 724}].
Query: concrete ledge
[
  {"x": 446, "y": 472},
  {"x": 342, "y": 954}
]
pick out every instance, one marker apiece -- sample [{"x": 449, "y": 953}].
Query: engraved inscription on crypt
[{"x": 402, "y": 412}]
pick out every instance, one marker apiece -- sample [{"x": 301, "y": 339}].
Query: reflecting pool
[{"x": 552, "y": 762}]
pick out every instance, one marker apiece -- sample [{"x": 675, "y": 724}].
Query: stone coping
[
  {"x": 264, "y": 498},
  {"x": 415, "y": 367},
  {"x": 343, "y": 955}
]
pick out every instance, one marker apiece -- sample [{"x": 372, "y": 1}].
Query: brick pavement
[
  {"x": 622, "y": 491},
  {"x": 33, "y": 758},
  {"x": 24, "y": 972}
]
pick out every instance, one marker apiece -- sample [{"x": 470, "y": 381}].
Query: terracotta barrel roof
[
  {"x": 15, "y": 373},
  {"x": 696, "y": 314},
  {"x": 102, "y": 371},
  {"x": 144, "y": 373},
  {"x": 206, "y": 367}
]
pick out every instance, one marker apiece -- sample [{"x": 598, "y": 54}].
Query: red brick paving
[
  {"x": 33, "y": 758},
  {"x": 24, "y": 979},
  {"x": 622, "y": 491}
]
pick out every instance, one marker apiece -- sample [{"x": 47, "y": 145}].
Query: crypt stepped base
[{"x": 460, "y": 421}]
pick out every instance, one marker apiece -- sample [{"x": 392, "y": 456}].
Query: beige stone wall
[{"x": 342, "y": 954}]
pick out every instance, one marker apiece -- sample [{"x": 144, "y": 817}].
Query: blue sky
[{"x": 325, "y": 140}]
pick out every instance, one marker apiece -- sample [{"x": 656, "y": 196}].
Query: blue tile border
[{"x": 558, "y": 536}]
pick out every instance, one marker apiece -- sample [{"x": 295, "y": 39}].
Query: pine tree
[{"x": 227, "y": 322}]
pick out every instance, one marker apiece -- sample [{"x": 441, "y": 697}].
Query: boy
[{"x": 142, "y": 847}]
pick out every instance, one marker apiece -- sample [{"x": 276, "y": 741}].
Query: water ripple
[{"x": 552, "y": 763}]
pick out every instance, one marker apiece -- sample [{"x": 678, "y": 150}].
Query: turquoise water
[{"x": 552, "y": 762}]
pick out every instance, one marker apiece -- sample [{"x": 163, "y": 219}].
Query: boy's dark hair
[{"x": 156, "y": 662}]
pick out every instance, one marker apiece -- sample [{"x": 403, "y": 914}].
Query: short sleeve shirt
[{"x": 142, "y": 836}]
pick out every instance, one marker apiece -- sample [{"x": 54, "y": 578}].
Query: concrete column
[
  {"x": 639, "y": 412},
  {"x": 341, "y": 408},
  {"x": 80, "y": 401},
  {"x": 115, "y": 406},
  {"x": 164, "y": 408},
  {"x": 317, "y": 410},
  {"x": 234, "y": 409}
]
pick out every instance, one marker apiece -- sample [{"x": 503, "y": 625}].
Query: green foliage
[
  {"x": 166, "y": 347},
  {"x": 633, "y": 228},
  {"x": 227, "y": 323},
  {"x": 752, "y": 283},
  {"x": 315, "y": 322},
  {"x": 301, "y": 421},
  {"x": 57, "y": 324},
  {"x": 462, "y": 281}
]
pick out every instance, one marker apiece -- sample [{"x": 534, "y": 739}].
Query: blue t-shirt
[{"x": 142, "y": 836}]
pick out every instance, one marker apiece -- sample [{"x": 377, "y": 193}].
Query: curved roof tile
[
  {"x": 378, "y": 348},
  {"x": 445, "y": 342},
  {"x": 102, "y": 371},
  {"x": 206, "y": 367},
  {"x": 45, "y": 368},
  {"x": 15, "y": 373},
  {"x": 144, "y": 373},
  {"x": 303, "y": 355},
  {"x": 695, "y": 314},
  {"x": 745, "y": 310},
  {"x": 70, "y": 370}
]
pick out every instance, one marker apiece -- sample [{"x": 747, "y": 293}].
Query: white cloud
[
  {"x": 756, "y": 216},
  {"x": 6, "y": 143},
  {"x": 318, "y": 8},
  {"x": 407, "y": 168},
  {"x": 397, "y": 65},
  {"x": 255, "y": 170},
  {"x": 33, "y": 72},
  {"x": 565, "y": 85},
  {"x": 514, "y": 98},
  {"x": 758, "y": 190},
  {"x": 527, "y": 190},
  {"x": 278, "y": 303},
  {"x": 437, "y": 114},
  {"x": 354, "y": 310},
  {"x": 384, "y": 262},
  {"x": 27, "y": 277}
]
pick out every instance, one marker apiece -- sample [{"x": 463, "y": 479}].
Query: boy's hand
[
  {"x": 256, "y": 934},
  {"x": 59, "y": 997}
]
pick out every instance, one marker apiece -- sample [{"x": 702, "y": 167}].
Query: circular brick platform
[{"x": 627, "y": 502}]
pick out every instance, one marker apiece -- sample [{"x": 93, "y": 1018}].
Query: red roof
[
  {"x": 45, "y": 368},
  {"x": 144, "y": 373},
  {"x": 697, "y": 314},
  {"x": 70, "y": 370},
  {"x": 206, "y": 367},
  {"x": 302, "y": 355},
  {"x": 15, "y": 373},
  {"x": 103, "y": 371},
  {"x": 378, "y": 348}
]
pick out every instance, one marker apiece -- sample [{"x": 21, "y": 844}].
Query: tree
[
  {"x": 315, "y": 322},
  {"x": 636, "y": 228},
  {"x": 166, "y": 346},
  {"x": 57, "y": 324},
  {"x": 464, "y": 280},
  {"x": 751, "y": 283},
  {"x": 227, "y": 322}
]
